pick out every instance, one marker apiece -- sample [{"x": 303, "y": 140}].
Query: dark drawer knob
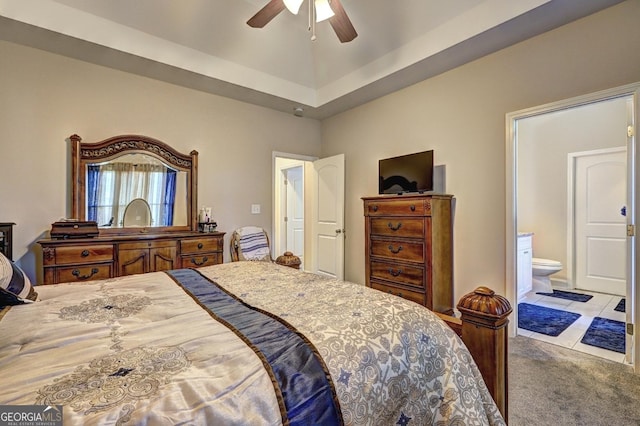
[
  {"x": 84, "y": 253},
  {"x": 195, "y": 262},
  {"x": 76, "y": 273},
  {"x": 394, "y": 272},
  {"x": 394, "y": 250},
  {"x": 413, "y": 208},
  {"x": 394, "y": 228},
  {"x": 400, "y": 295},
  {"x": 374, "y": 208},
  {"x": 200, "y": 245}
]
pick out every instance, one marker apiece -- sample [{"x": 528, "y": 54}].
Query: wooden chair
[{"x": 250, "y": 243}]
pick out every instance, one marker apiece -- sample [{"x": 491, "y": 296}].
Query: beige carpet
[{"x": 552, "y": 385}]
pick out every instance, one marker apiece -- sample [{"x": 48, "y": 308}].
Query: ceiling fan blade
[
  {"x": 341, "y": 23},
  {"x": 266, "y": 14}
]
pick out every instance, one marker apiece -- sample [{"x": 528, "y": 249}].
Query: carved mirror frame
[{"x": 83, "y": 154}]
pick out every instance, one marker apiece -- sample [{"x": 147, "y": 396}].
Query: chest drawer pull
[
  {"x": 395, "y": 251},
  {"x": 195, "y": 262},
  {"x": 76, "y": 273},
  {"x": 84, "y": 253},
  {"x": 375, "y": 208},
  {"x": 394, "y": 228},
  {"x": 394, "y": 272},
  {"x": 413, "y": 208},
  {"x": 200, "y": 245}
]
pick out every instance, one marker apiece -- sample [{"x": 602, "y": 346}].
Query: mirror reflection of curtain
[{"x": 112, "y": 186}]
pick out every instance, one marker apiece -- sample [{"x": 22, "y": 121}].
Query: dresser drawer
[
  {"x": 83, "y": 273},
  {"x": 81, "y": 254},
  {"x": 196, "y": 261},
  {"x": 399, "y": 227},
  {"x": 411, "y": 207},
  {"x": 412, "y": 251},
  {"x": 414, "y": 296},
  {"x": 142, "y": 245},
  {"x": 200, "y": 245},
  {"x": 409, "y": 275}
]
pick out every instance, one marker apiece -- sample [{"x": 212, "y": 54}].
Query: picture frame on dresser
[{"x": 120, "y": 250}]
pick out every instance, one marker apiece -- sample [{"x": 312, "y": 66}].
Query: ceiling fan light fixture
[
  {"x": 293, "y": 5},
  {"x": 323, "y": 10}
]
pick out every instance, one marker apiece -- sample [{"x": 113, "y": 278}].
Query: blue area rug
[
  {"x": 621, "y": 306},
  {"x": 568, "y": 295},
  {"x": 606, "y": 334},
  {"x": 544, "y": 320}
]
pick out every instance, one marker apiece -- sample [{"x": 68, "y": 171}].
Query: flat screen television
[{"x": 406, "y": 173}]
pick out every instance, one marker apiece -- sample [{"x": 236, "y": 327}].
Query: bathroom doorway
[{"x": 540, "y": 144}]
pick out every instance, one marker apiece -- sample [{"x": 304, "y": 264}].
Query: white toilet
[{"x": 542, "y": 269}]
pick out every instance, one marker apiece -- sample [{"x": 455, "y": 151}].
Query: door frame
[
  {"x": 511, "y": 226},
  {"x": 571, "y": 193}
]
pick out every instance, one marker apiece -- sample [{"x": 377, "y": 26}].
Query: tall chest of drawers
[
  {"x": 87, "y": 259},
  {"x": 409, "y": 247}
]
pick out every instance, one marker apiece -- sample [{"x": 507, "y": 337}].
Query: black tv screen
[{"x": 407, "y": 173}]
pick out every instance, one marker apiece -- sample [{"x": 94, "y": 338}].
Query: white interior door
[
  {"x": 294, "y": 218},
  {"x": 600, "y": 222},
  {"x": 327, "y": 255}
]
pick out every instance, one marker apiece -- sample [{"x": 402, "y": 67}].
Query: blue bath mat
[
  {"x": 606, "y": 334},
  {"x": 621, "y": 306},
  {"x": 544, "y": 320},
  {"x": 568, "y": 295}
]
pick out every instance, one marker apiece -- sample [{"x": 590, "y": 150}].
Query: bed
[{"x": 236, "y": 344}]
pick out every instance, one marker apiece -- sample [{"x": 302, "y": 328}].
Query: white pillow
[{"x": 15, "y": 286}]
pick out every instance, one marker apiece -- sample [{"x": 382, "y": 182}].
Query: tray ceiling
[{"x": 206, "y": 44}]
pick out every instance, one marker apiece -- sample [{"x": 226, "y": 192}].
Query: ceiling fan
[{"x": 320, "y": 9}]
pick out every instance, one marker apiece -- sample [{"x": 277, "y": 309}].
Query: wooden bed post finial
[{"x": 484, "y": 331}]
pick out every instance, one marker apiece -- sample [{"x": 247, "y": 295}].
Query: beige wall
[
  {"x": 44, "y": 98},
  {"x": 461, "y": 115}
]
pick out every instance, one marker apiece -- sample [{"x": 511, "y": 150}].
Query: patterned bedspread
[{"x": 245, "y": 343}]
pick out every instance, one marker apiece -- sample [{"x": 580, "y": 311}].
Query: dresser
[
  {"x": 409, "y": 247},
  {"x": 107, "y": 256}
]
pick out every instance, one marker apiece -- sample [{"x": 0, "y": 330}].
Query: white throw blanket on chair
[{"x": 253, "y": 244}]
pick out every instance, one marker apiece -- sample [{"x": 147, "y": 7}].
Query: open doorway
[
  {"x": 289, "y": 204},
  {"x": 554, "y": 154},
  {"x": 308, "y": 214}
]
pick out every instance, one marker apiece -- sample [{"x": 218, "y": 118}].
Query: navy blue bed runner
[{"x": 303, "y": 383}]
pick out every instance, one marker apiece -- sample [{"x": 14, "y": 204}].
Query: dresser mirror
[{"x": 145, "y": 178}]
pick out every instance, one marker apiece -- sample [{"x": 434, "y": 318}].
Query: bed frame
[{"x": 483, "y": 329}]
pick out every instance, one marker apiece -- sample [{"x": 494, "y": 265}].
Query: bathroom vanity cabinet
[{"x": 525, "y": 264}]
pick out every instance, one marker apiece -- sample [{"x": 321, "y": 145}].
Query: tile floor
[{"x": 600, "y": 305}]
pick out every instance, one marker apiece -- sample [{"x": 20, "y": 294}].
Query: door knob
[
  {"x": 339, "y": 231},
  {"x": 623, "y": 211}
]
